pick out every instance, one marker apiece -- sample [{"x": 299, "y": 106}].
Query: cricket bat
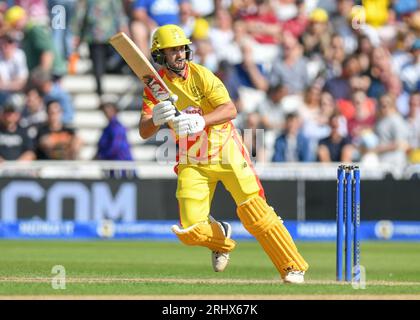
[{"x": 141, "y": 66}]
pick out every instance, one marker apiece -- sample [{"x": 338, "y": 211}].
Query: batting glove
[
  {"x": 163, "y": 112},
  {"x": 185, "y": 124}
]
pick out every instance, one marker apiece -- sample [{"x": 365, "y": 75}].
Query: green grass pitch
[{"x": 141, "y": 268}]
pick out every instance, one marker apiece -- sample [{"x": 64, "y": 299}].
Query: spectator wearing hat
[
  {"x": 13, "y": 68},
  {"x": 36, "y": 43},
  {"x": 15, "y": 144},
  {"x": 318, "y": 35},
  {"x": 203, "y": 50}
]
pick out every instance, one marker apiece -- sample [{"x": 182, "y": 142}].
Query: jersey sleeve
[{"x": 215, "y": 90}]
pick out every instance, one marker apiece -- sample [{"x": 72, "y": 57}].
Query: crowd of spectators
[{"x": 326, "y": 80}]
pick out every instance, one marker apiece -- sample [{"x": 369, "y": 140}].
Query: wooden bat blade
[{"x": 140, "y": 65}]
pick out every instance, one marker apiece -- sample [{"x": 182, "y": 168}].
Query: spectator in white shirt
[
  {"x": 13, "y": 68},
  {"x": 222, "y": 37},
  {"x": 393, "y": 132}
]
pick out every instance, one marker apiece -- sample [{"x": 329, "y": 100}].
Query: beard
[{"x": 178, "y": 65}]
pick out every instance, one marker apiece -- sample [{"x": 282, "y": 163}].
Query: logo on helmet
[{"x": 176, "y": 36}]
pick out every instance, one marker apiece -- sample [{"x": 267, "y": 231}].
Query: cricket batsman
[{"x": 210, "y": 150}]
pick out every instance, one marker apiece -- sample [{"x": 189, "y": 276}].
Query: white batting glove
[
  {"x": 185, "y": 124},
  {"x": 163, "y": 112}
]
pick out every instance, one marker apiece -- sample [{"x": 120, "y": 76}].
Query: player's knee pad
[
  {"x": 262, "y": 222},
  {"x": 205, "y": 234}
]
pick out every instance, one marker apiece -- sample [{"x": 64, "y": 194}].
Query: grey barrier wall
[
  {"x": 144, "y": 199},
  {"x": 380, "y": 199}
]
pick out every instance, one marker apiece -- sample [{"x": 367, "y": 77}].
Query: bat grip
[{"x": 171, "y": 99}]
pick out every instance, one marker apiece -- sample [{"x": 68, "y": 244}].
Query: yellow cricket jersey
[{"x": 200, "y": 92}]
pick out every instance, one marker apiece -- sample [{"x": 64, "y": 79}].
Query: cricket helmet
[{"x": 168, "y": 36}]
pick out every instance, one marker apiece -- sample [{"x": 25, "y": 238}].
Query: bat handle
[{"x": 173, "y": 99}]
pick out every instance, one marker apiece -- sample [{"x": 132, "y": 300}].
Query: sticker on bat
[{"x": 158, "y": 91}]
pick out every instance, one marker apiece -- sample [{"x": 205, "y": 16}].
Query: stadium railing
[{"x": 154, "y": 170}]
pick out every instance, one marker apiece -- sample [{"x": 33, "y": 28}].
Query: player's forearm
[
  {"x": 146, "y": 127},
  {"x": 221, "y": 114}
]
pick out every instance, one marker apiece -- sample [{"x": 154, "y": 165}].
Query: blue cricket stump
[
  {"x": 356, "y": 223},
  {"x": 340, "y": 219},
  {"x": 348, "y": 222}
]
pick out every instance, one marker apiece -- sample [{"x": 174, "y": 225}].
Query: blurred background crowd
[{"x": 323, "y": 80}]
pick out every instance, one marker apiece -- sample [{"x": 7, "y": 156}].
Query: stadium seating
[{"x": 89, "y": 120}]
